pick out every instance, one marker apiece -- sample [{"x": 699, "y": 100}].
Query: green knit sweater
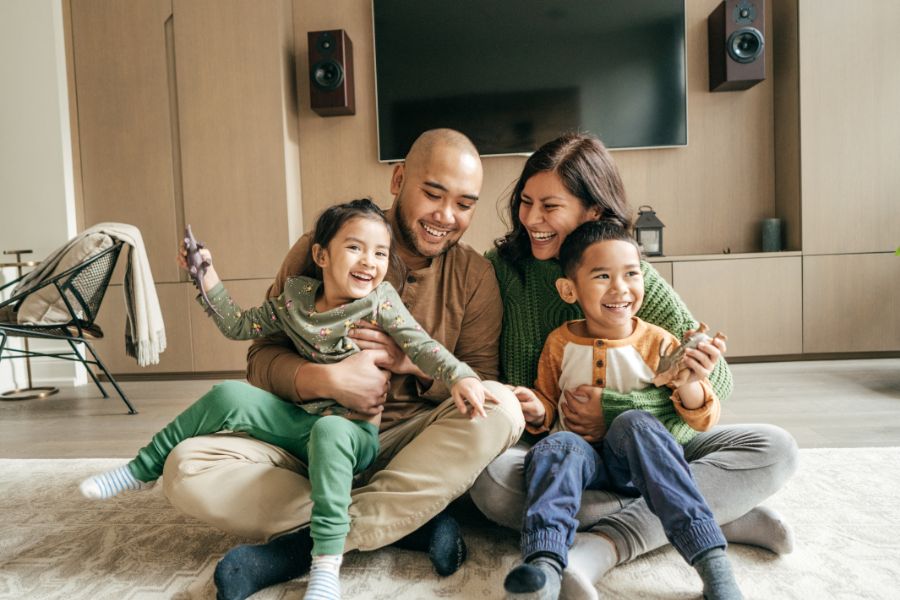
[{"x": 532, "y": 309}]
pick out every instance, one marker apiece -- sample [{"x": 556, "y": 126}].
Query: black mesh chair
[{"x": 82, "y": 289}]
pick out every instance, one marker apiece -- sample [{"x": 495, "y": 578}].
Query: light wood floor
[{"x": 838, "y": 404}]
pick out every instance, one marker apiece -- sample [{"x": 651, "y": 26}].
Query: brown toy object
[{"x": 671, "y": 370}]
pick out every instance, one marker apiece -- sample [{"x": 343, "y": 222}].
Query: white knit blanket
[{"x": 145, "y": 334}]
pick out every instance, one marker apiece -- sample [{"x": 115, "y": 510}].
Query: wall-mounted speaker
[
  {"x": 331, "y": 90},
  {"x": 737, "y": 40}
]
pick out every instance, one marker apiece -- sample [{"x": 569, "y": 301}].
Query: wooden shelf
[{"x": 735, "y": 256}]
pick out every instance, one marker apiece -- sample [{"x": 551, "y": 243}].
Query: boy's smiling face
[{"x": 609, "y": 287}]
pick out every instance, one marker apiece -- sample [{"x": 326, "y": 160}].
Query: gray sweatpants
[{"x": 735, "y": 466}]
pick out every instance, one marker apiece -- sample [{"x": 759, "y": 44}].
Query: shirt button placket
[{"x": 599, "y": 362}]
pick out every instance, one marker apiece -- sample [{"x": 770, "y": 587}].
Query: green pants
[{"x": 334, "y": 448}]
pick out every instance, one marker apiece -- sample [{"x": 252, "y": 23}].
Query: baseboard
[
  {"x": 176, "y": 376},
  {"x": 808, "y": 357}
]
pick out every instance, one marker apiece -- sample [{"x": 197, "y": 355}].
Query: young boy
[{"x": 640, "y": 452}]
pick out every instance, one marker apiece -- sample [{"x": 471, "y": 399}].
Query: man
[{"x": 430, "y": 453}]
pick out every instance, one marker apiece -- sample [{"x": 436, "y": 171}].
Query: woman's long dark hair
[
  {"x": 587, "y": 171},
  {"x": 330, "y": 222}
]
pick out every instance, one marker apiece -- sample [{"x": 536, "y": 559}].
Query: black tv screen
[{"x": 513, "y": 74}]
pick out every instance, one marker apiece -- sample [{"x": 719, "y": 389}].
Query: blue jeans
[{"x": 638, "y": 457}]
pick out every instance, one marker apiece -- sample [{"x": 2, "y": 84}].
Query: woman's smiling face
[{"x": 549, "y": 212}]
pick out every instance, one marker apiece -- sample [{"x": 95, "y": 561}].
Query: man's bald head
[{"x": 438, "y": 140}]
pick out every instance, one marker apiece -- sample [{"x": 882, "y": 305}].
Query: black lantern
[{"x": 649, "y": 231}]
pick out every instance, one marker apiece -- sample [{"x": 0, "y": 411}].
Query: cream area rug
[{"x": 844, "y": 506}]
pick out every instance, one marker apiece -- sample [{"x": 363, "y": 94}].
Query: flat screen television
[{"x": 513, "y": 74}]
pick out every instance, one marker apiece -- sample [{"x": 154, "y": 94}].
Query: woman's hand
[
  {"x": 371, "y": 337},
  {"x": 701, "y": 360},
  {"x": 532, "y": 408},
  {"x": 582, "y": 409}
]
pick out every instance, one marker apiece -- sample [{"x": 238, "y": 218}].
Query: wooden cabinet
[
  {"x": 851, "y": 303},
  {"x": 237, "y": 125},
  {"x": 194, "y": 344},
  {"x": 173, "y": 301},
  {"x": 125, "y": 126},
  {"x": 850, "y": 134},
  {"x": 211, "y": 350},
  {"x": 664, "y": 269},
  {"x": 186, "y": 112},
  {"x": 755, "y": 301}
]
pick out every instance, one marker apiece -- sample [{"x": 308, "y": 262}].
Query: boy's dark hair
[
  {"x": 330, "y": 221},
  {"x": 584, "y": 236}
]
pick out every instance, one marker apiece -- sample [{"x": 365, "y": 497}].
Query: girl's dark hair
[
  {"x": 587, "y": 171},
  {"x": 586, "y": 235},
  {"x": 330, "y": 222}
]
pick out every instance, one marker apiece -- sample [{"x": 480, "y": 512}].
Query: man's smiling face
[{"x": 435, "y": 199}]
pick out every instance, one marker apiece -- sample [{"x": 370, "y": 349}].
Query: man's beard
[{"x": 411, "y": 240}]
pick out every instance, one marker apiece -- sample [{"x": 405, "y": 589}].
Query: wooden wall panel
[
  {"x": 124, "y": 122},
  {"x": 850, "y": 303},
  {"x": 237, "y": 128},
  {"x": 711, "y": 195},
  {"x": 756, "y": 302},
  {"x": 212, "y": 350},
  {"x": 665, "y": 269},
  {"x": 173, "y": 301},
  {"x": 850, "y": 133},
  {"x": 786, "y": 74}
]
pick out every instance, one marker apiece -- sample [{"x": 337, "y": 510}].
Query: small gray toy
[
  {"x": 671, "y": 370},
  {"x": 197, "y": 265}
]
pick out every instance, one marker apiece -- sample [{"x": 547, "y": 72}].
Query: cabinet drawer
[{"x": 755, "y": 302}]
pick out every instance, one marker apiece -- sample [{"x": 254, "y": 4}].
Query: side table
[{"x": 30, "y": 392}]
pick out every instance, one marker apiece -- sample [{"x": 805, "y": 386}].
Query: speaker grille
[
  {"x": 744, "y": 13},
  {"x": 745, "y": 45},
  {"x": 327, "y": 75}
]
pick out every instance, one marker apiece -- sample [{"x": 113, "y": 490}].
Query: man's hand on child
[
  {"x": 469, "y": 395},
  {"x": 358, "y": 382},
  {"x": 582, "y": 408},
  {"x": 532, "y": 408}
]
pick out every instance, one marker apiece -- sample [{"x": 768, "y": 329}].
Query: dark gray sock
[
  {"x": 537, "y": 579},
  {"x": 718, "y": 579},
  {"x": 245, "y": 570},
  {"x": 442, "y": 539}
]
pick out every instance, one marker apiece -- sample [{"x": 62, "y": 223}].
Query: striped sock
[
  {"x": 324, "y": 578},
  {"x": 111, "y": 483}
]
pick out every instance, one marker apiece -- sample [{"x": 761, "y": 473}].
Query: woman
[{"x": 568, "y": 181}]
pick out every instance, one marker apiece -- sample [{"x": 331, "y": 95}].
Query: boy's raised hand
[
  {"x": 471, "y": 391},
  {"x": 701, "y": 360},
  {"x": 532, "y": 408}
]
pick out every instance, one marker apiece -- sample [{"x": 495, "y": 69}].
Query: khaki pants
[{"x": 254, "y": 489}]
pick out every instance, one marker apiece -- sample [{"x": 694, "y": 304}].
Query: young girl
[
  {"x": 341, "y": 283},
  {"x": 638, "y": 450}
]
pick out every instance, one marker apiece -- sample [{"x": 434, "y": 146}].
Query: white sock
[
  {"x": 111, "y": 483},
  {"x": 590, "y": 558},
  {"x": 761, "y": 527},
  {"x": 324, "y": 578}
]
